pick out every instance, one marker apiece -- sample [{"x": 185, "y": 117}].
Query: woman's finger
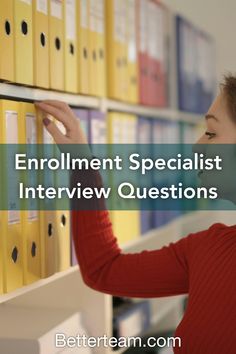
[
  {"x": 55, "y": 132},
  {"x": 58, "y": 104},
  {"x": 57, "y": 114}
]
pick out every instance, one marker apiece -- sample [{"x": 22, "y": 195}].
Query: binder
[
  {"x": 71, "y": 51},
  {"x": 83, "y": 46},
  {"x": 114, "y": 40},
  {"x": 7, "y": 70},
  {"x": 144, "y": 135},
  {"x": 23, "y": 53},
  {"x": 151, "y": 43},
  {"x": 126, "y": 223},
  {"x": 83, "y": 117},
  {"x": 93, "y": 57},
  {"x": 101, "y": 49},
  {"x": 56, "y": 45},
  {"x": 30, "y": 218},
  {"x": 132, "y": 51},
  {"x": 124, "y": 89},
  {"x": 47, "y": 214},
  {"x": 160, "y": 80},
  {"x": 11, "y": 219},
  {"x": 62, "y": 217},
  {"x": 41, "y": 43},
  {"x": 143, "y": 59}
]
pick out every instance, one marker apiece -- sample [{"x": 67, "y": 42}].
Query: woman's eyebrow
[{"x": 211, "y": 116}]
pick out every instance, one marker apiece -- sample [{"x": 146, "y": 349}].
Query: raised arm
[{"x": 103, "y": 266}]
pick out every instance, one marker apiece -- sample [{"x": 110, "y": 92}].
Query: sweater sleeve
[{"x": 161, "y": 272}]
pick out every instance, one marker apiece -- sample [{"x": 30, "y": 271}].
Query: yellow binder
[
  {"x": 56, "y": 45},
  {"x": 6, "y": 40},
  {"x": 71, "y": 52},
  {"x": 116, "y": 49},
  {"x": 23, "y": 42},
  {"x": 126, "y": 224},
  {"x": 93, "y": 55},
  {"x": 47, "y": 217},
  {"x": 41, "y": 43},
  {"x": 11, "y": 220},
  {"x": 83, "y": 46},
  {"x": 132, "y": 51},
  {"x": 62, "y": 227},
  {"x": 101, "y": 49},
  {"x": 30, "y": 218}
]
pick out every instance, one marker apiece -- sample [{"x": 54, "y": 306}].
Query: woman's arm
[{"x": 104, "y": 268}]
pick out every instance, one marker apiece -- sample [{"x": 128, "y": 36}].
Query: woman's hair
[{"x": 228, "y": 87}]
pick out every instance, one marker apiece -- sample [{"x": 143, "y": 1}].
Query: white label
[
  {"x": 56, "y": 8},
  {"x": 31, "y": 129},
  {"x": 84, "y": 13},
  {"x": 47, "y": 138},
  {"x": 12, "y": 138},
  {"x": 160, "y": 41},
  {"x": 120, "y": 30},
  {"x": 100, "y": 16},
  {"x": 132, "y": 45},
  {"x": 93, "y": 15},
  {"x": 143, "y": 26},
  {"x": 42, "y": 6},
  {"x": 70, "y": 19},
  {"x": 29, "y": 2},
  {"x": 151, "y": 30}
]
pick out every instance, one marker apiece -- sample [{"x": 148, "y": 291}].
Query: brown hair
[{"x": 228, "y": 87}]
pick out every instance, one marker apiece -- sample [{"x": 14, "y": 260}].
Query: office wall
[{"x": 217, "y": 17}]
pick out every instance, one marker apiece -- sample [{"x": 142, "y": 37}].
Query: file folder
[
  {"x": 62, "y": 227},
  {"x": 30, "y": 218},
  {"x": 93, "y": 57},
  {"x": 83, "y": 46},
  {"x": 115, "y": 19},
  {"x": 56, "y": 45},
  {"x": 83, "y": 117},
  {"x": 41, "y": 43},
  {"x": 11, "y": 219},
  {"x": 144, "y": 135},
  {"x": 101, "y": 49},
  {"x": 71, "y": 51},
  {"x": 23, "y": 42},
  {"x": 132, "y": 51},
  {"x": 143, "y": 51},
  {"x": 122, "y": 130},
  {"x": 7, "y": 70},
  {"x": 47, "y": 214}
]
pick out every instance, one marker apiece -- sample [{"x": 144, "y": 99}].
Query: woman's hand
[{"x": 63, "y": 113}]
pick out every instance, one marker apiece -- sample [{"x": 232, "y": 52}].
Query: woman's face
[
  {"x": 220, "y": 127},
  {"x": 219, "y": 139}
]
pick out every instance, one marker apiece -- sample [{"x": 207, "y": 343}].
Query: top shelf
[{"x": 34, "y": 94}]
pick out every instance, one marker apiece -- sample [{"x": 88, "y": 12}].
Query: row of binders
[
  {"x": 94, "y": 47},
  {"x": 196, "y": 67},
  {"x": 114, "y": 48},
  {"x": 36, "y": 244}
]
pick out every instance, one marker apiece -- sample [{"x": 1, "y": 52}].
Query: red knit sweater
[{"x": 202, "y": 265}]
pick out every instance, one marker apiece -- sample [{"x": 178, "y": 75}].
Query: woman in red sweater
[{"x": 202, "y": 265}]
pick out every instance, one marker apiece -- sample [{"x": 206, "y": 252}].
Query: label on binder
[
  {"x": 100, "y": 16},
  {"x": 92, "y": 15},
  {"x": 29, "y": 2},
  {"x": 132, "y": 53},
  {"x": 13, "y": 178},
  {"x": 42, "y": 6},
  {"x": 56, "y": 8},
  {"x": 143, "y": 26},
  {"x": 70, "y": 19},
  {"x": 84, "y": 13}
]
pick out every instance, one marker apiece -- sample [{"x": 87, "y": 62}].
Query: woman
[{"x": 202, "y": 264}]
